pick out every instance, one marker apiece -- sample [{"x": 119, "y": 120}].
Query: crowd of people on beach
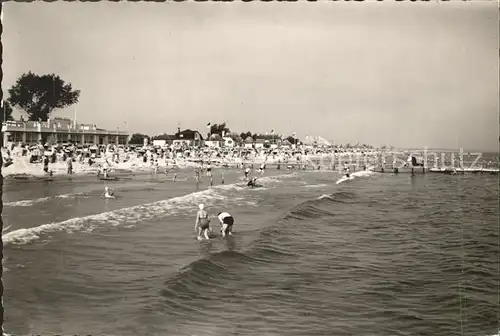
[
  {"x": 102, "y": 159},
  {"x": 68, "y": 159}
]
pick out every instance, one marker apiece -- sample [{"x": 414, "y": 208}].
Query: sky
[{"x": 403, "y": 74}]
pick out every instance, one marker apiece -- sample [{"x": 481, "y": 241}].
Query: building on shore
[
  {"x": 60, "y": 130},
  {"x": 187, "y": 137}
]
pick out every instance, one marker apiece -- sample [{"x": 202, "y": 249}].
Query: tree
[
  {"x": 245, "y": 135},
  {"x": 138, "y": 139},
  {"x": 235, "y": 136},
  {"x": 292, "y": 140},
  {"x": 270, "y": 137},
  {"x": 163, "y": 136},
  {"x": 219, "y": 128},
  {"x": 39, "y": 95},
  {"x": 6, "y": 111}
]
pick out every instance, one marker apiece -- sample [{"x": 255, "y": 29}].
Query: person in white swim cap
[
  {"x": 108, "y": 193},
  {"x": 247, "y": 172},
  {"x": 202, "y": 223}
]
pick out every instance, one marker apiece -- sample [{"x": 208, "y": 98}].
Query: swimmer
[
  {"x": 166, "y": 165},
  {"x": 197, "y": 171},
  {"x": 209, "y": 169},
  {"x": 46, "y": 164},
  {"x": 105, "y": 168},
  {"x": 156, "y": 166},
  {"x": 202, "y": 223},
  {"x": 108, "y": 193},
  {"x": 262, "y": 168},
  {"x": 226, "y": 222},
  {"x": 346, "y": 168},
  {"x": 253, "y": 183},
  {"x": 69, "y": 166},
  {"x": 7, "y": 161},
  {"x": 247, "y": 172}
]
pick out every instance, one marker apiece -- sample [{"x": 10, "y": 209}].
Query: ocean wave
[
  {"x": 130, "y": 215},
  {"x": 307, "y": 211},
  {"x": 324, "y": 196},
  {"x": 310, "y": 186},
  {"x": 201, "y": 278},
  {"x": 28, "y": 203},
  {"x": 362, "y": 173},
  {"x": 343, "y": 196},
  {"x": 31, "y": 202},
  {"x": 311, "y": 209}
]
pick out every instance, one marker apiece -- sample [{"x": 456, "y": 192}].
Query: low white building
[
  {"x": 159, "y": 143},
  {"x": 249, "y": 142},
  {"x": 180, "y": 142}
]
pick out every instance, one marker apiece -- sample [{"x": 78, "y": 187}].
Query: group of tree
[
  {"x": 220, "y": 129},
  {"x": 245, "y": 135},
  {"x": 138, "y": 139},
  {"x": 38, "y": 96},
  {"x": 6, "y": 112}
]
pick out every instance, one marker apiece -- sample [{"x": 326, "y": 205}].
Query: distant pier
[{"x": 317, "y": 165}]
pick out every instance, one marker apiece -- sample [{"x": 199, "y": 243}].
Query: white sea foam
[
  {"x": 324, "y": 196},
  {"x": 362, "y": 173},
  {"x": 129, "y": 215},
  {"x": 345, "y": 178},
  {"x": 173, "y": 206},
  {"x": 321, "y": 185}
]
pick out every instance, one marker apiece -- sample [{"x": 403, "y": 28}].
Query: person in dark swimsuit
[
  {"x": 226, "y": 222},
  {"x": 46, "y": 164},
  {"x": 202, "y": 223},
  {"x": 209, "y": 170},
  {"x": 197, "y": 172},
  {"x": 253, "y": 183},
  {"x": 247, "y": 172}
]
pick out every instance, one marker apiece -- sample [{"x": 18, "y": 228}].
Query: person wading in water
[{"x": 202, "y": 223}]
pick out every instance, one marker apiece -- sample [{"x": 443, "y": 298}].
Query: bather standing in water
[
  {"x": 105, "y": 168},
  {"x": 202, "y": 223},
  {"x": 108, "y": 193}
]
